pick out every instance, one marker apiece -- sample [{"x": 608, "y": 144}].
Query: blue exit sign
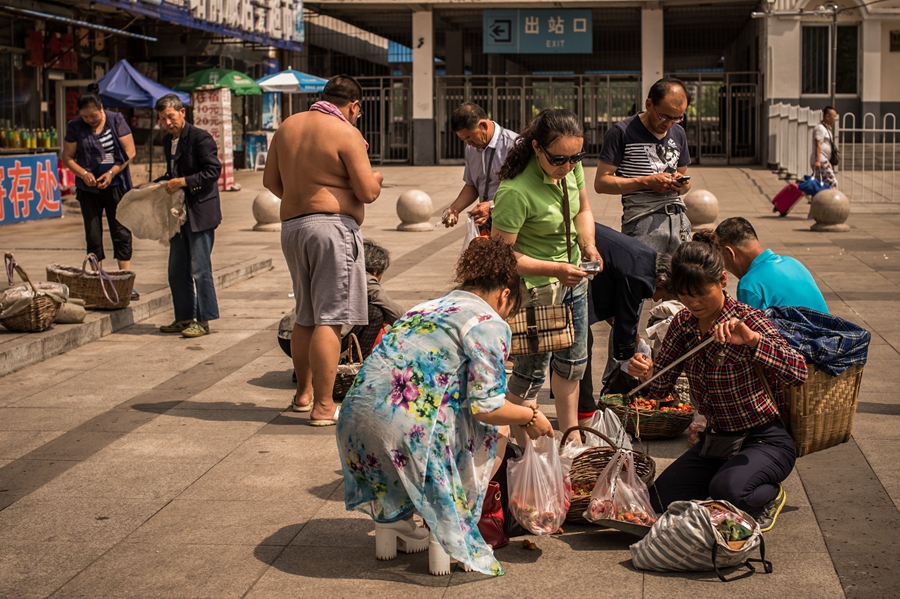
[{"x": 537, "y": 32}]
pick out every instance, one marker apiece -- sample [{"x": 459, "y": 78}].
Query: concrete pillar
[
  {"x": 651, "y": 49},
  {"x": 784, "y": 41},
  {"x": 423, "y": 87},
  {"x": 871, "y": 69}
]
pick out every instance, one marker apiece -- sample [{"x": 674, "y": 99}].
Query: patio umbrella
[
  {"x": 292, "y": 82},
  {"x": 240, "y": 84}
]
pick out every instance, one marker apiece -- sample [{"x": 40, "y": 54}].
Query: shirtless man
[{"x": 317, "y": 164}]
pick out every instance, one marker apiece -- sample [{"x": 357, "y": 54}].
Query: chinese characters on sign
[
  {"x": 212, "y": 113},
  {"x": 29, "y": 188},
  {"x": 538, "y": 31}
]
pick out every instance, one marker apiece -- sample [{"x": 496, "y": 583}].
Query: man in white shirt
[{"x": 487, "y": 145}]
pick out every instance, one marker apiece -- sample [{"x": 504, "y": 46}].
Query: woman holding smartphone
[{"x": 541, "y": 208}]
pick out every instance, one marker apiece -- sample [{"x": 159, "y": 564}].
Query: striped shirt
[
  {"x": 105, "y": 138},
  {"x": 637, "y": 153},
  {"x": 730, "y": 395}
]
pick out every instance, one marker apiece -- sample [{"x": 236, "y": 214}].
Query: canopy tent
[
  {"x": 240, "y": 84},
  {"x": 292, "y": 82},
  {"x": 124, "y": 87}
]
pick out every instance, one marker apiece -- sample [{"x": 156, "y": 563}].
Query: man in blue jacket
[
  {"x": 767, "y": 279},
  {"x": 191, "y": 164}
]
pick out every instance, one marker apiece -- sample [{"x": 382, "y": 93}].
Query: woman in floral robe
[{"x": 418, "y": 428}]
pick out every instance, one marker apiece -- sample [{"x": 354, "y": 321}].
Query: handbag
[
  {"x": 813, "y": 184},
  {"x": 491, "y": 525},
  {"x": 545, "y": 329},
  {"x": 835, "y": 153},
  {"x": 718, "y": 445}
]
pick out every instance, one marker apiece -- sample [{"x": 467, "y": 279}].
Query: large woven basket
[
  {"x": 100, "y": 289},
  {"x": 651, "y": 424},
  {"x": 822, "y": 409},
  {"x": 347, "y": 371},
  {"x": 39, "y": 314},
  {"x": 588, "y": 465}
]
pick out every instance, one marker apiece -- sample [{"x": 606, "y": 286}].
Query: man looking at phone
[{"x": 645, "y": 158}]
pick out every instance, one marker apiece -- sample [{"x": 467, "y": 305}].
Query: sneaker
[
  {"x": 195, "y": 329},
  {"x": 769, "y": 512},
  {"x": 177, "y": 326}
]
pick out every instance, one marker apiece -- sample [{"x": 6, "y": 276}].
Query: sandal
[
  {"x": 299, "y": 408},
  {"x": 327, "y": 421}
]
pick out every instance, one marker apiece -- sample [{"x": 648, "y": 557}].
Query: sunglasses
[
  {"x": 665, "y": 118},
  {"x": 561, "y": 160}
]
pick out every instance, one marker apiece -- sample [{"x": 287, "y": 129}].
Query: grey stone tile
[
  {"x": 181, "y": 445},
  {"x": 190, "y": 572},
  {"x": 15, "y": 444},
  {"x": 87, "y": 520},
  {"x": 225, "y": 523},
  {"x": 35, "y": 570},
  {"x": 44, "y": 419}
]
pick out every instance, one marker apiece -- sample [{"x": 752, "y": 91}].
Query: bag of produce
[
  {"x": 609, "y": 424},
  {"x": 538, "y": 488},
  {"x": 620, "y": 494}
]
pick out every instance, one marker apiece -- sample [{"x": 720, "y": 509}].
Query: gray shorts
[
  {"x": 324, "y": 253},
  {"x": 663, "y": 231}
]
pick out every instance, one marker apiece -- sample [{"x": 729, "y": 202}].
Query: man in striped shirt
[{"x": 644, "y": 158}]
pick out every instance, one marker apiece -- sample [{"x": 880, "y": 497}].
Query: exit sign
[{"x": 537, "y": 32}]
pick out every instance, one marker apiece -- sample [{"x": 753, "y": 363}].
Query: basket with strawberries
[{"x": 651, "y": 419}]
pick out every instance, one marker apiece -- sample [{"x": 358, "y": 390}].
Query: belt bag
[
  {"x": 721, "y": 446},
  {"x": 542, "y": 329}
]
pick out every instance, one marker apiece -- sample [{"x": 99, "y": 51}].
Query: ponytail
[{"x": 547, "y": 127}]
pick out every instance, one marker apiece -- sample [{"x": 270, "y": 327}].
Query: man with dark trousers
[{"x": 192, "y": 164}]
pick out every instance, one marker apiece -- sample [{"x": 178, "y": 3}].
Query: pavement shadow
[
  {"x": 276, "y": 379},
  {"x": 868, "y": 407},
  {"x": 222, "y": 411},
  {"x": 139, "y": 329}
]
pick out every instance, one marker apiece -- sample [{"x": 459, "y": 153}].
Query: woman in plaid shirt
[{"x": 726, "y": 388}]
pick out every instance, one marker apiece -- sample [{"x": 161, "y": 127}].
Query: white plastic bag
[
  {"x": 606, "y": 422},
  {"x": 149, "y": 212},
  {"x": 471, "y": 233},
  {"x": 538, "y": 493},
  {"x": 620, "y": 494}
]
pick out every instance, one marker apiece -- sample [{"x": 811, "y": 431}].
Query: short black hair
[
  {"x": 467, "y": 116},
  {"x": 91, "y": 95},
  {"x": 169, "y": 101},
  {"x": 663, "y": 88},
  {"x": 827, "y": 108},
  {"x": 735, "y": 231},
  {"x": 341, "y": 90}
]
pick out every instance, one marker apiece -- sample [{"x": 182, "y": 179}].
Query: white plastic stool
[{"x": 260, "y": 163}]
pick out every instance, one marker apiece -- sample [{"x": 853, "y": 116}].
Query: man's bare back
[{"x": 318, "y": 163}]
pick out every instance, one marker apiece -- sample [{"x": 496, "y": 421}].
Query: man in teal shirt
[{"x": 767, "y": 279}]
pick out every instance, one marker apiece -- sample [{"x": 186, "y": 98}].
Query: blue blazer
[{"x": 195, "y": 159}]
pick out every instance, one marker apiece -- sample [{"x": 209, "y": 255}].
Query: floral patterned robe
[{"x": 407, "y": 435}]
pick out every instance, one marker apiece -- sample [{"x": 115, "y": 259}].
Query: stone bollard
[
  {"x": 414, "y": 207},
  {"x": 830, "y": 209},
  {"x": 267, "y": 212},
  {"x": 702, "y": 207}
]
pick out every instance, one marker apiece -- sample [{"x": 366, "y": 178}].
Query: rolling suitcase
[{"x": 786, "y": 198}]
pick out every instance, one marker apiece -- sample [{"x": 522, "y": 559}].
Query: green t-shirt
[{"x": 530, "y": 205}]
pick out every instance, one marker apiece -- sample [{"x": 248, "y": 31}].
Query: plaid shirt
[{"x": 731, "y": 396}]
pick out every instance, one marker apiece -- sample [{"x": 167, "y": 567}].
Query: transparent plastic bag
[
  {"x": 606, "y": 422},
  {"x": 538, "y": 493},
  {"x": 471, "y": 233},
  {"x": 620, "y": 494},
  {"x": 698, "y": 425}
]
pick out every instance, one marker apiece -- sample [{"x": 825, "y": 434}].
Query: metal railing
[{"x": 869, "y": 156}]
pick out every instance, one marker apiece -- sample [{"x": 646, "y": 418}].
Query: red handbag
[{"x": 491, "y": 524}]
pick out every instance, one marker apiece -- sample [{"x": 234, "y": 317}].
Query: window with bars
[{"x": 816, "y": 59}]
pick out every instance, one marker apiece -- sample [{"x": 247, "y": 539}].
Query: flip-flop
[
  {"x": 298, "y": 408},
  {"x": 327, "y": 421}
]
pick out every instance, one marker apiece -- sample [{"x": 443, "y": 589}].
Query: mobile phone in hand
[
  {"x": 683, "y": 179},
  {"x": 592, "y": 267}
]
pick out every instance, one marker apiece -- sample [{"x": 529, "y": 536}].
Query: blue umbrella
[
  {"x": 292, "y": 82},
  {"x": 124, "y": 87}
]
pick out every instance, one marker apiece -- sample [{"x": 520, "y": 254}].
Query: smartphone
[
  {"x": 684, "y": 178},
  {"x": 591, "y": 267}
]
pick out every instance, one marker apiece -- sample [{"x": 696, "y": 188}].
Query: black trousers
[
  {"x": 92, "y": 207},
  {"x": 749, "y": 480}
]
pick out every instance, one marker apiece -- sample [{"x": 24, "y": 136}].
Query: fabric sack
[{"x": 685, "y": 539}]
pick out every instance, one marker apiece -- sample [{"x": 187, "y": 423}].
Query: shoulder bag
[{"x": 543, "y": 329}]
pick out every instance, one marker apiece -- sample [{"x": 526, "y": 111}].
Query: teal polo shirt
[{"x": 774, "y": 280}]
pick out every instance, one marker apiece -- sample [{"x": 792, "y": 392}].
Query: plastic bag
[
  {"x": 149, "y": 212},
  {"x": 606, "y": 422},
  {"x": 620, "y": 494},
  {"x": 538, "y": 493},
  {"x": 698, "y": 425},
  {"x": 471, "y": 233}
]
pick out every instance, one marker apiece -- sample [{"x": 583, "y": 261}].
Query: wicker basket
[
  {"x": 651, "y": 424},
  {"x": 346, "y": 372},
  {"x": 39, "y": 314},
  {"x": 100, "y": 289},
  {"x": 822, "y": 409},
  {"x": 588, "y": 465}
]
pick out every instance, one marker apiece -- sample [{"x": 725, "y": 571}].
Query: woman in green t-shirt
[{"x": 542, "y": 172}]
